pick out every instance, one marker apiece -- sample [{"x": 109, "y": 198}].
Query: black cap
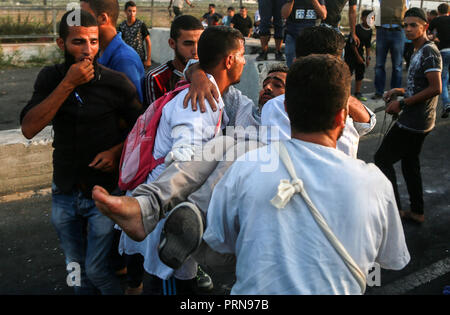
[{"x": 417, "y": 12}]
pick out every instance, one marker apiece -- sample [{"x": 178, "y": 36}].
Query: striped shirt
[{"x": 159, "y": 81}]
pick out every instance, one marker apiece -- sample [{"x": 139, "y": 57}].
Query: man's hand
[
  {"x": 147, "y": 64},
  {"x": 80, "y": 73},
  {"x": 393, "y": 107},
  {"x": 392, "y": 94},
  {"x": 105, "y": 161},
  {"x": 201, "y": 87},
  {"x": 367, "y": 62},
  {"x": 356, "y": 39}
]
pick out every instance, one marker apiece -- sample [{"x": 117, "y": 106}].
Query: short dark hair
[
  {"x": 212, "y": 5},
  {"x": 186, "y": 23},
  {"x": 319, "y": 40},
  {"x": 86, "y": 20},
  {"x": 110, "y": 7},
  {"x": 433, "y": 12},
  {"x": 317, "y": 87},
  {"x": 242, "y": 8},
  {"x": 278, "y": 67},
  {"x": 129, "y": 4},
  {"x": 365, "y": 13},
  {"x": 230, "y": 8},
  {"x": 215, "y": 43},
  {"x": 443, "y": 8}
]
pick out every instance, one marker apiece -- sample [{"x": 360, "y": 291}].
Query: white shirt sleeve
[
  {"x": 365, "y": 128},
  {"x": 240, "y": 109},
  {"x": 393, "y": 252}
]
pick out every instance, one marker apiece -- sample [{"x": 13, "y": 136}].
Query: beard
[
  {"x": 181, "y": 58},
  {"x": 69, "y": 60}
]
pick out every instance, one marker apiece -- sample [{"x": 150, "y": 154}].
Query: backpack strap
[{"x": 286, "y": 191}]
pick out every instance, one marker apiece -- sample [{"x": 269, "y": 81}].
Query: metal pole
[
  {"x": 151, "y": 15},
  {"x": 54, "y": 20},
  {"x": 421, "y": 4}
]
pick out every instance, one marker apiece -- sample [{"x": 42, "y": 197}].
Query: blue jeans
[
  {"x": 86, "y": 238},
  {"x": 393, "y": 42},
  {"x": 289, "y": 49},
  {"x": 267, "y": 10},
  {"x": 445, "y": 76}
]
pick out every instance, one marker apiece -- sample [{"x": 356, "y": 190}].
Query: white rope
[{"x": 287, "y": 189}]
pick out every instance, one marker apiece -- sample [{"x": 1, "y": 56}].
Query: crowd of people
[{"x": 272, "y": 191}]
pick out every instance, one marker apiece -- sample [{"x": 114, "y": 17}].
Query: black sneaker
[
  {"x": 262, "y": 56},
  {"x": 377, "y": 96},
  {"x": 181, "y": 234},
  {"x": 279, "y": 56},
  {"x": 204, "y": 281},
  {"x": 445, "y": 112}
]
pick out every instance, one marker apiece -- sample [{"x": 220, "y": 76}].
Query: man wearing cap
[{"x": 416, "y": 114}]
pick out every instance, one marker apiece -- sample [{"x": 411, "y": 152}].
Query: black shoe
[
  {"x": 279, "y": 56},
  {"x": 445, "y": 112},
  {"x": 262, "y": 56},
  {"x": 377, "y": 96},
  {"x": 204, "y": 281},
  {"x": 181, "y": 234}
]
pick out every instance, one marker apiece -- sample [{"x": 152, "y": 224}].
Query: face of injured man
[{"x": 273, "y": 86}]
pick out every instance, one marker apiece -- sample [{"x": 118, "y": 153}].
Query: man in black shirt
[
  {"x": 441, "y": 27},
  {"x": 242, "y": 22},
  {"x": 334, "y": 10},
  {"x": 212, "y": 17},
  {"x": 91, "y": 108}
]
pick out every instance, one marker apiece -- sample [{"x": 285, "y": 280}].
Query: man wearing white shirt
[
  {"x": 360, "y": 121},
  {"x": 181, "y": 131},
  {"x": 283, "y": 251}
]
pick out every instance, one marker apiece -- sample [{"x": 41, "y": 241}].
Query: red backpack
[{"x": 137, "y": 159}]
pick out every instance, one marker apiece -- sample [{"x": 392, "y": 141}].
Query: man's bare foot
[
  {"x": 418, "y": 218},
  {"x": 125, "y": 211}
]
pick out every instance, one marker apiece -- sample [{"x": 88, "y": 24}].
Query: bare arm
[
  {"x": 286, "y": 9},
  {"x": 321, "y": 10},
  {"x": 352, "y": 22},
  {"x": 148, "y": 43},
  {"x": 42, "y": 114},
  {"x": 434, "y": 88},
  {"x": 357, "y": 111}
]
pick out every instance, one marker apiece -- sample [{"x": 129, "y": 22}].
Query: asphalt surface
[{"x": 31, "y": 262}]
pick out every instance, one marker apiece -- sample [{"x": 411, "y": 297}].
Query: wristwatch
[{"x": 402, "y": 103}]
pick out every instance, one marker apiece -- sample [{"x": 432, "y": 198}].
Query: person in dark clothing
[
  {"x": 91, "y": 109},
  {"x": 242, "y": 22},
  {"x": 211, "y": 16},
  {"x": 135, "y": 33},
  {"x": 355, "y": 58},
  {"x": 416, "y": 115},
  {"x": 334, "y": 10},
  {"x": 440, "y": 27}
]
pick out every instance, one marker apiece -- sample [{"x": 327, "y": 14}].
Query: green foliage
[{"x": 26, "y": 26}]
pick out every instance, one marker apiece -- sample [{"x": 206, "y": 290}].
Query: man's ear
[
  {"x": 103, "y": 19},
  {"x": 60, "y": 43},
  {"x": 172, "y": 43},
  {"x": 340, "y": 118},
  {"x": 229, "y": 61}
]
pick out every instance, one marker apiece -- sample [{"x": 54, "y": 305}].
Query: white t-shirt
[
  {"x": 274, "y": 115},
  {"x": 284, "y": 251}
]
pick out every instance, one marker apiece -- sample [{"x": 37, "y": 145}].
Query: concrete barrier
[
  {"x": 25, "y": 164},
  {"x": 28, "y": 51}
]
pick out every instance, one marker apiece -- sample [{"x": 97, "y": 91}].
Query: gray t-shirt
[{"x": 421, "y": 117}]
